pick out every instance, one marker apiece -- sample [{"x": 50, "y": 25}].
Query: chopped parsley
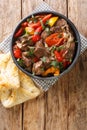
[
  {"x": 60, "y": 48},
  {"x": 31, "y": 52},
  {"x": 58, "y": 65},
  {"x": 43, "y": 59},
  {"x": 42, "y": 24},
  {"x": 47, "y": 22},
  {"x": 55, "y": 63},
  {"x": 20, "y": 62},
  {"x": 47, "y": 30},
  {"x": 53, "y": 49},
  {"x": 61, "y": 67}
]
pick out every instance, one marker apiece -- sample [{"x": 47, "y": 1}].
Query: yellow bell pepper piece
[
  {"x": 51, "y": 70},
  {"x": 57, "y": 72},
  {"x": 29, "y": 30},
  {"x": 52, "y": 21}
]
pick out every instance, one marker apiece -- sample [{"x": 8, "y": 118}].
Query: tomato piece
[
  {"x": 25, "y": 24},
  {"x": 17, "y": 53},
  {"x": 19, "y": 32},
  {"x": 60, "y": 41},
  {"x": 36, "y": 38},
  {"x": 53, "y": 39},
  {"x": 58, "y": 56}
]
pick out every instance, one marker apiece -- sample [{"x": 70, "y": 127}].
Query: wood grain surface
[
  {"x": 64, "y": 106},
  {"x": 10, "y": 14}
]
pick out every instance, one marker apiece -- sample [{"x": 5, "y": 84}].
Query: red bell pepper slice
[
  {"x": 19, "y": 32},
  {"x": 58, "y": 56},
  {"x": 46, "y": 18},
  {"x": 36, "y": 38},
  {"x": 38, "y": 30},
  {"x": 36, "y": 25},
  {"x": 25, "y": 24},
  {"x": 17, "y": 52}
]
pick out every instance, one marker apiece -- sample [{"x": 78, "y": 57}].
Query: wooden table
[{"x": 64, "y": 106}]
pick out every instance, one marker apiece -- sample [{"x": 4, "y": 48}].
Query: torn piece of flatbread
[
  {"x": 12, "y": 95},
  {"x": 9, "y": 76},
  {"x": 26, "y": 91}
]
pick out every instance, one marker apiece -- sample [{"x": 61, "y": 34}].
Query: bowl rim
[{"x": 76, "y": 55}]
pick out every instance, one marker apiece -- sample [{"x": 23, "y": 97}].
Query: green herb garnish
[
  {"x": 47, "y": 30},
  {"x": 20, "y": 62},
  {"x": 47, "y": 22},
  {"x": 55, "y": 63},
  {"x": 31, "y": 52},
  {"x": 53, "y": 49},
  {"x": 43, "y": 59},
  {"x": 60, "y": 48},
  {"x": 61, "y": 67},
  {"x": 42, "y": 24}
]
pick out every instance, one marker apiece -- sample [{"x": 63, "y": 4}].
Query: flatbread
[
  {"x": 26, "y": 92},
  {"x": 15, "y": 86},
  {"x": 9, "y": 76},
  {"x": 13, "y": 97}
]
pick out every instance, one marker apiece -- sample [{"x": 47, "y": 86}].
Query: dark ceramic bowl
[{"x": 77, "y": 45}]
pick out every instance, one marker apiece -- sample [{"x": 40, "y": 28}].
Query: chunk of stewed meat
[
  {"x": 71, "y": 50},
  {"x": 27, "y": 61},
  {"x": 47, "y": 62},
  {"x": 40, "y": 50},
  {"x": 38, "y": 68},
  {"x": 61, "y": 22},
  {"x": 44, "y": 34},
  {"x": 55, "y": 29}
]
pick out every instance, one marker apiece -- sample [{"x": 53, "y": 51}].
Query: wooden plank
[
  {"x": 58, "y": 5},
  {"x": 34, "y": 110},
  {"x": 11, "y": 119},
  {"x": 10, "y": 14},
  {"x": 28, "y": 6},
  {"x": 57, "y": 97},
  {"x": 77, "y": 120},
  {"x": 49, "y": 111}
]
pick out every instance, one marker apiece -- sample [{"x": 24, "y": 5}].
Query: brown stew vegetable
[{"x": 44, "y": 45}]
